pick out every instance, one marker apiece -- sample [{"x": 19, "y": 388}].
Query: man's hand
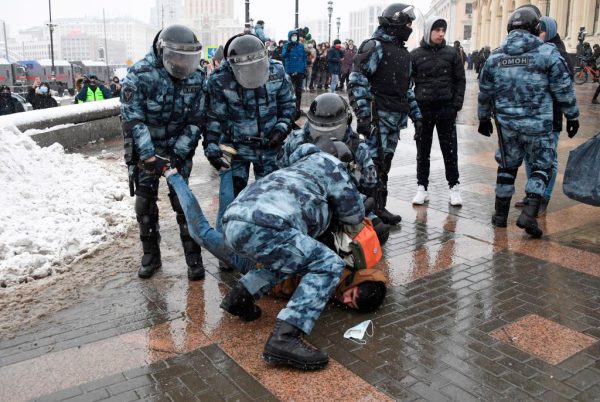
[
  {"x": 485, "y": 127},
  {"x": 418, "y": 130},
  {"x": 277, "y": 138},
  {"x": 363, "y": 126},
  {"x": 155, "y": 165},
  {"x": 572, "y": 127}
]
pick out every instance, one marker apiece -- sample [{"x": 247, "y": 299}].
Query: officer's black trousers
[{"x": 443, "y": 119}]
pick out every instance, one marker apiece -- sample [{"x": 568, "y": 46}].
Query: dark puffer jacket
[{"x": 439, "y": 75}]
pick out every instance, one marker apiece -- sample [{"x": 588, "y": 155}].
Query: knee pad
[
  {"x": 506, "y": 175},
  {"x": 146, "y": 209},
  {"x": 543, "y": 175}
]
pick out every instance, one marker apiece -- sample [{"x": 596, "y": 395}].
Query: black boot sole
[
  {"x": 195, "y": 275},
  {"x": 286, "y": 361},
  {"x": 499, "y": 224},
  {"x": 531, "y": 230},
  {"x": 254, "y": 315},
  {"x": 149, "y": 274}
]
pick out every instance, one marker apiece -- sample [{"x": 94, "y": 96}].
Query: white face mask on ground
[{"x": 357, "y": 333}]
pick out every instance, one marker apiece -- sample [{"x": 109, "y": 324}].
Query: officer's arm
[
  {"x": 190, "y": 135},
  {"x": 106, "y": 92},
  {"x": 368, "y": 170},
  {"x": 414, "y": 112},
  {"x": 561, "y": 86},
  {"x": 286, "y": 104},
  {"x": 133, "y": 113},
  {"x": 216, "y": 116},
  {"x": 459, "y": 81},
  {"x": 293, "y": 141},
  {"x": 344, "y": 198},
  {"x": 486, "y": 92},
  {"x": 365, "y": 65}
]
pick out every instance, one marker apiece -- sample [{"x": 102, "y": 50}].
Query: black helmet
[
  {"x": 179, "y": 49},
  {"x": 397, "y": 14},
  {"x": 526, "y": 18},
  {"x": 249, "y": 60},
  {"x": 329, "y": 116}
]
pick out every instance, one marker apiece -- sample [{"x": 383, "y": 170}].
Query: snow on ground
[{"x": 55, "y": 207}]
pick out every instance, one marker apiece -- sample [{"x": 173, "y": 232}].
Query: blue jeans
[
  {"x": 335, "y": 80},
  {"x": 552, "y": 180},
  {"x": 200, "y": 229}
]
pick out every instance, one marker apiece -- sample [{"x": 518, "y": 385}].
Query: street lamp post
[
  {"x": 51, "y": 26},
  {"x": 297, "y": 24},
  {"x": 338, "y": 23},
  {"x": 248, "y": 27},
  {"x": 330, "y": 11}
]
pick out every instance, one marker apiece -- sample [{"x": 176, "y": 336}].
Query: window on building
[
  {"x": 469, "y": 8},
  {"x": 467, "y": 32}
]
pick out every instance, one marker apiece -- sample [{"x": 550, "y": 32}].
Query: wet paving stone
[{"x": 179, "y": 381}]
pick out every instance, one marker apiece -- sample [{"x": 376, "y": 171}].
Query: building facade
[
  {"x": 490, "y": 19},
  {"x": 213, "y": 21},
  {"x": 459, "y": 16}
]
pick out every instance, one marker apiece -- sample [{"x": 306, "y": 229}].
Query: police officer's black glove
[
  {"x": 485, "y": 127},
  {"x": 156, "y": 167},
  {"x": 370, "y": 205},
  {"x": 276, "y": 140},
  {"x": 418, "y": 130},
  {"x": 572, "y": 127},
  {"x": 363, "y": 126},
  {"x": 215, "y": 156},
  {"x": 176, "y": 161},
  {"x": 218, "y": 162}
]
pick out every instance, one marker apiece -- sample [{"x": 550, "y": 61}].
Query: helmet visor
[
  {"x": 181, "y": 63},
  {"x": 336, "y": 132},
  {"x": 403, "y": 17},
  {"x": 252, "y": 70}
]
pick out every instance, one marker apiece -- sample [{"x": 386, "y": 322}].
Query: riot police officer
[
  {"x": 520, "y": 80},
  {"x": 252, "y": 104},
  {"x": 380, "y": 93},
  {"x": 163, "y": 111}
]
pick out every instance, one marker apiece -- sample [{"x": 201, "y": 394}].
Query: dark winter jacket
[
  {"x": 334, "y": 60},
  {"x": 294, "y": 56},
  {"x": 439, "y": 75},
  {"x": 39, "y": 101},
  {"x": 276, "y": 55},
  {"x": 320, "y": 63},
  {"x": 558, "y": 117},
  {"x": 348, "y": 60},
  {"x": 9, "y": 105}
]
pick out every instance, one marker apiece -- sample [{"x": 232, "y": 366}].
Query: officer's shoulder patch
[
  {"x": 514, "y": 61},
  {"x": 127, "y": 95}
]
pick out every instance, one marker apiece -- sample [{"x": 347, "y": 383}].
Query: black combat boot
[
  {"x": 543, "y": 207},
  {"x": 500, "y": 217},
  {"x": 285, "y": 346},
  {"x": 151, "y": 261},
  {"x": 527, "y": 220},
  {"x": 382, "y": 230},
  {"x": 193, "y": 257},
  {"x": 240, "y": 302},
  {"x": 386, "y": 216}
]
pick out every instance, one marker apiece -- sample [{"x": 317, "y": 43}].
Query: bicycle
[{"x": 582, "y": 74}]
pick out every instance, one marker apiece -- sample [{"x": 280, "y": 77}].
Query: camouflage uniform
[
  {"x": 362, "y": 169},
  {"x": 391, "y": 116},
  {"x": 247, "y": 118},
  {"x": 275, "y": 222},
  {"x": 164, "y": 117},
  {"x": 521, "y": 79}
]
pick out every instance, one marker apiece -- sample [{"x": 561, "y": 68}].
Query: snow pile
[{"x": 54, "y": 207}]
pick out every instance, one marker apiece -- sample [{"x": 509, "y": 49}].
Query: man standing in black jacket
[{"x": 439, "y": 77}]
